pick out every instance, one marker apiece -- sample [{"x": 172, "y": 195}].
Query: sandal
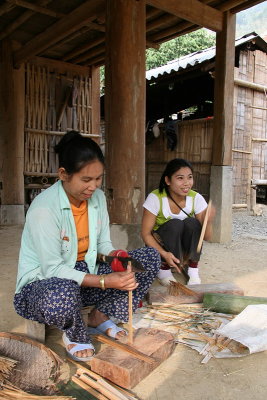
[
  {"x": 77, "y": 347},
  {"x": 102, "y": 328}
]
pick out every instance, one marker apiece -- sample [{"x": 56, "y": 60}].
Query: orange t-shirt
[{"x": 81, "y": 222}]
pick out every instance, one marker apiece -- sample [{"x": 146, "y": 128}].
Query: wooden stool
[{"x": 36, "y": 331}]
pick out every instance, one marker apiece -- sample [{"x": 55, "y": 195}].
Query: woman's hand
[
  {"x": 172, "y": 261},
  {"x": 121, "y": 280}
]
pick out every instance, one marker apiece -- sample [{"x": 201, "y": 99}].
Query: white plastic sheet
[{"x": 249, "y": 328}]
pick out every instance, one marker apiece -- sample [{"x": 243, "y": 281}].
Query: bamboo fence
[
  {"x": 54, "y": 103},
  {"x": 195, "y": 137}
]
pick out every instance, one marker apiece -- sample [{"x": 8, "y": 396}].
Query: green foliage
[{"x": 181, "y": 46}]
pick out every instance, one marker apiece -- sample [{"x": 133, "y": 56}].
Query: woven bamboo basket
[{"x": 38, "y": 367}]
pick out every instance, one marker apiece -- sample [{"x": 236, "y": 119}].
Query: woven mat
[{"x": 38, "y": 367}]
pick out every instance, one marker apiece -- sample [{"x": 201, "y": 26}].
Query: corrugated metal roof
[{"x": 192, "y": 59}]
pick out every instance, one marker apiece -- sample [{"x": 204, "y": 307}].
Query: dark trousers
[
  {"x": 181, "y": 237},
  {"x": 58, "y": 302}
]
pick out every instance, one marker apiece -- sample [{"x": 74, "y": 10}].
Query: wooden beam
[
  {"x": 81, "y": 16},
  {"x": 70, "y": 37},
  {"x": 152, "y": 45},
  {"x": 244, "y": 6},
  {"x": 96, "y": 61},
  {"x": 90, "y": 54},
  {"x": 20, "y": 20},
  {"x": 5, "y": 8},
  {"x": 153, "y": 12},
  {"x": 36, "y": 8},
  {"x": 193, "y": 11},
  {"x": 83, "y": 48},
  {"x": 159, "y": 22},
  {"x": 60, "y": 65},
  {"x": 171, "y": 32}
]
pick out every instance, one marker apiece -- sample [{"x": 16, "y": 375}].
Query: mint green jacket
[{"x": 44, "y": 254}]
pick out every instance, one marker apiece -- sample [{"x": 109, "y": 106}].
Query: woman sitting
[
  {"x": 172, "y": 221},
  {"x": 67, "y": 226}
]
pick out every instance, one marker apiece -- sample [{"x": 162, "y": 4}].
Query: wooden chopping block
[
  {"x": 159, "y": 294},
  {"x": 124, "y": 369}
]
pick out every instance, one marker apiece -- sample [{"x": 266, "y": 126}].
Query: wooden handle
[
  {"x": 203, "y": 230},
  {"x": 130, "y": 320},
  {"x": 130, "y": 315}
]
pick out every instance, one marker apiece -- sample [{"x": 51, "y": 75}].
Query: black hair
[
  {"x": 75, "y": 151},
  {"x": 170, "y": 169}
]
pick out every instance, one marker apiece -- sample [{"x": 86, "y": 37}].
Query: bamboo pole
[
  {"x": 89, "y": 389},
  {"x": 81, "y": 370},
  {"x": 97, "y": 386},
  {"x": 204, "y": 227},
  {"x": 102, "y": 382},
  {"x": 130, "y": 313}
]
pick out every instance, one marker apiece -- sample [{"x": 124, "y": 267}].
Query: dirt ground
[{"x": 182, "y": 376}]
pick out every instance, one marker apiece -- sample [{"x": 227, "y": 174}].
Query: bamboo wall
[
  {"x": 249, "y": 137},
  {"x": 250, "y": 128},
  {"x": 54, "y": 103},
  {"x": 194, "y": 144}
]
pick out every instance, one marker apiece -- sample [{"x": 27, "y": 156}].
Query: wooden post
[
  {"x": 12, "y": 138},
  {"x": 221, "y": 169},
  {"x": 224, "y": 92},
  {"x": 125, "y": 109}
]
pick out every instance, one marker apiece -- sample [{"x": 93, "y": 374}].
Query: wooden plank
[
  {"x": 20, "y": 20},
  {"x": 193, "y": 11},
  {"x": 36, "y": 8},
  {"x": 126, "y": 371},
  {"x": 82, "y": 15},
  {"x": 159, "y": 294},
  {"x": 60, "y": 66}
]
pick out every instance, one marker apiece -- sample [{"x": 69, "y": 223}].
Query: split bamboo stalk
[
  {"x": 81, "y": 370},
  {"x": 102, "y": 382},
  {"x": 89, "y": 389},
  {"x": 97, "y": 386},
  {"x": 129, "y": 349},
  {"x": 203, "y": 230}
]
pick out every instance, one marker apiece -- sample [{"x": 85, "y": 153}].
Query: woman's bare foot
[{"x": 96, "y": 318}]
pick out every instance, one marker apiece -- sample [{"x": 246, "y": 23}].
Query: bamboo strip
[
  {"x": 81, "y": 369},
  {"x": 242, "y": 151},
  {"x": 97, "y": 386},
  {"x": 56, "y": 133},
  {"x": 89, "y": 389},
  {"x": 124, "y": 347},
  {"x": 102, "y": 382},
  {"x": 259, "y": 139}
]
